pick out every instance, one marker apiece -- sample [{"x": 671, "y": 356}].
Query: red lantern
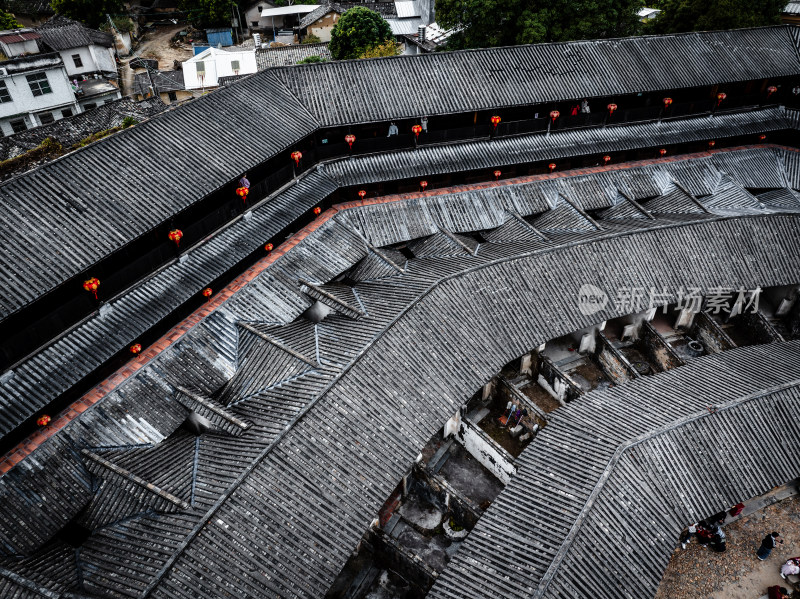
[
  {"x": 268, "y": 247},
  {"x": 43, "y": 420},
  {"x": 136, "y": 349},
  {"x": 495, "y": 121},
  {"x": 554, "y": 114},
  {"x": 317, "y": 210},
  {"x": 207, "y": 292},
  {"x": 242, "y": 192},
  {"x": 92, "y": 285},
  {"x": 176, "y": 235},
  {"x": 611, "y": 108},
  {"x": 296, "y": 156},
  {"x": 662, "y": 152},
  {"x": 350, "y": 138},
  {"x": 606, "y": 159},
  {"x": 552, "y": 166},
  {"x": 762, "y": 137},
  {"x": 771, "y": 90},
  {"x": 416, "y": 130},
  {"x": 362, "y": 194},
  {"x": 497, "y": 175},
  {"x": 711, "y": 143},
  {"x": 720, "y": 97},
  {"x": 423, "y": 185},
  {"x": 667, "y": 102}
]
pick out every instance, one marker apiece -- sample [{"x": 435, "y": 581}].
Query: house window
[
  {"x": 201, "y": 67},
  {"x": 66, "y": 112},
  {"x": 254, "y": 23},
  {"x": 260, "y": 9},
  {"x": 18, "y": 125},
  {"x": 5, "y": 96},
  {"x": 46, "y": 118},
  {"x": 39, "y": 84},
  {"x": 235, "y": 66},
  {"x": 173, "y": 97},
  {"x": 76, "y": 58}
]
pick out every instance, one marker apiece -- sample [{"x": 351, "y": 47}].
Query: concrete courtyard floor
[{"x": 698, "y": 573}]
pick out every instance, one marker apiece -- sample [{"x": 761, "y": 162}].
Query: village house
[{"x": 203, "y": 71}]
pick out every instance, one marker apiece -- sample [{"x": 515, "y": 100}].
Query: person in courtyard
[
  {"x": 767, "y": 545},
  {"x": 718, "y": 540},
  {"x": 777, "y": 592},
  {"x": 244, "y": 182},
  {"x": 688, "y": 534},
  {"x": 791, "y": 567}
]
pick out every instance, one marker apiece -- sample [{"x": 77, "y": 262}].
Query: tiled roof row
[{"x": 269, "y": 112}]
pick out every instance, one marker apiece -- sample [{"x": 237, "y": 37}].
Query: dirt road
[{"x": 156, "y": 44}]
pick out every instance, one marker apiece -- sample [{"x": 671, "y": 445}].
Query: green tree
[
  {"x": 486, "y": 23},
  {"x": 208, "y": 13},
  {"x": 7, "y": 21},
  {"x": 706, "y": 15},
  {"x": 311, "y": 60},
  {"x": 91, "y": 12},
  {"x": 358, "y": 29},
  {"x": 389, "y": 48}
]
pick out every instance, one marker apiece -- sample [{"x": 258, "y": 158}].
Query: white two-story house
[
  {"x": 88, "y": 57},
  {"x": 34, "y": 90}
]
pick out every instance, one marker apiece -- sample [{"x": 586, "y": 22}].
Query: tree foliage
[
  {"x": 388, "y": 48},
  {"x": 486, "y": 23},
  {"x": 311, "y": 60},
  {"x": 357, "y": 30},
  {"x": 208, "y": 13},
  {"x": 7, "y": 20},
  {"x": 90, "y": 12},
  {"x": 705, "y": 15}
]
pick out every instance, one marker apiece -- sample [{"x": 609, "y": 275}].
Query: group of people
[
  {"x": 709, "y": 532},
  {"x": 790, "y": 567}
]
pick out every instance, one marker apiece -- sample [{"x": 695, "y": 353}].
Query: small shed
[{"x": 221, "y": 36}]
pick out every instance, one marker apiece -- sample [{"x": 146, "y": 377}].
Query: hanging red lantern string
[
  {"x": 136, "y": 349},
  {"x": 720, "y": 97},
  {"x": 362, "y": 193},
  {"x": 242, "y": 192},
  {"x": 552, "y": 166},
  {"x": 43, "y": 420},
  {"x": 667, "y": 102},
  {"x": 611, "y": 108},
  {"x": 606, "y": 159},
  {"x": 268, "y": 247},
  {"x": 350, "y": 138},
  {"x": 207, "y": 292},
  {"x": 711, "y": 143},
  {"x": 317, "y": 210},
  {"x": 296, "y": 156},
  {"x": 662, "y": 152},
  {"x": 554, "y": 114},
  {"x": 495, "y": 120},
  {"x": 423, "y": 185},
  {"x": 416, "y": 130},
  {"x": 176, "y": 235},
  {"x": 497, "y": 174},
  {"x": 771, "y": 90},
  {"x": 762, "y": 137},
  {"x": 91, "y": 285}
]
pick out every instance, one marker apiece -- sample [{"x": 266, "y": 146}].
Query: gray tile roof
[
  {"x": 385, "y": 9},
  {"x": 62, "y": 33},
  {"x": 164, "y": 81},
  {"x": 283, "y": 101},
  {"x": 638, "y": 462},
  {"x": 285, "y": 56},
  {"x": 98, "y": 220},
  {"x": 362, "y": 91}
]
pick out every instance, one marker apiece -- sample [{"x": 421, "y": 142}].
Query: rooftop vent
[{"x": 421, "y": 33}]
